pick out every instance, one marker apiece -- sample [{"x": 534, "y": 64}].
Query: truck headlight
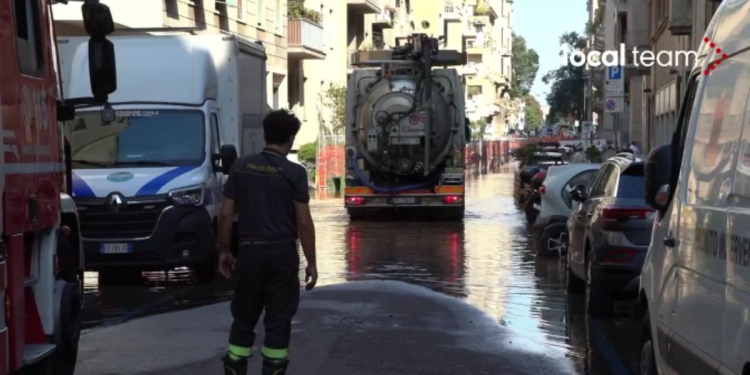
[{"x": 189, "y": 196}]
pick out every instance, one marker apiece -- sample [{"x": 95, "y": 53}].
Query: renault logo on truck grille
[{"x": 114, "y": 201}]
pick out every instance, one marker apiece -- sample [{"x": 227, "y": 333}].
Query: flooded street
[{"x": 485, "y": 260}]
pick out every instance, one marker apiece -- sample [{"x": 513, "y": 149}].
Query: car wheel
[
  {"x": 599, "y": 301},
  {"x": 647, "y": 362},
  {"x": 554, "y": 241}
]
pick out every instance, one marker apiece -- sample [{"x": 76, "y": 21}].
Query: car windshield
[
  {"x": 138, "y": 138},
  {"x": 632, "y": 184}
]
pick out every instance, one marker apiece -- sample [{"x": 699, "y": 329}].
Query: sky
[{"x": 541, "y": 22}]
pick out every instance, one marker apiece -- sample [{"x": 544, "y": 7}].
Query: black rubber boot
[
  {"x": 274, "y": 366},
  {"x": 235, "y": 367}
]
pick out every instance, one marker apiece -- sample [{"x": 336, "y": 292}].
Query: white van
[
  {"x": 148, "y": 181},
  {"x": 695, "y": 283}
]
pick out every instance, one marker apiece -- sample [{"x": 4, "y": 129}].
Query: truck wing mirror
[
  {"x": 97, "y": 19},
  {"x": 227, "y": 155},
  {"x": 98, "y": 22},
  {"x": 657, "y": 171},
  {"x": 102, "y": 68}
]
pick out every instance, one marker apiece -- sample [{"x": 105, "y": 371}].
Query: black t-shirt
[{"x": 264, "y": 187}]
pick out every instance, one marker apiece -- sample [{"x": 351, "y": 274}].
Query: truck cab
[{"x": 148, "y": 180}]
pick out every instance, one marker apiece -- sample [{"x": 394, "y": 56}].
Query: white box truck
[{"x": 148, "y": 181}]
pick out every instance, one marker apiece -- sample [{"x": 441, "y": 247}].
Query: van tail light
[
  {"x": 355, "y": 201},
  {"x": 612, "y": 214},
  {"x": 453, "y": 199},
  {"x": 619, "y": 256},
  {"x": 542, "y": 190}
]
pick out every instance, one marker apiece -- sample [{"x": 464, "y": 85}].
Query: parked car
[
  {"x": 609, "y": 234},
  {"x": 541, "y": 161},
  {"x": 550, "y": 231},
  {"x": 695, "y": 285}
]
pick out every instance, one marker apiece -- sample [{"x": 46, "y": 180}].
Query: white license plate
[
  {"x": 404, "y": 200},
  {"x": 114, "y": 248}
]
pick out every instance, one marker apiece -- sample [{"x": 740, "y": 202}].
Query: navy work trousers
[{"x": 267, "y": 278}]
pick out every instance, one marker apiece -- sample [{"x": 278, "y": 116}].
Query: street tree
[
  {"x": 532, "y": 113},
  {"x": 565, "y": 97},
  {"x": 525, "y": 65}
]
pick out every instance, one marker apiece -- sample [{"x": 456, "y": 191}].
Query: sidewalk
[{"x": 364, "y": 328}]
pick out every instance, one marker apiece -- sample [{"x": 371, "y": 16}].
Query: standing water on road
[{"x": 485, "y": 260}]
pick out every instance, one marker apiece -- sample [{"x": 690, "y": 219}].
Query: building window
[
  {"x": 474, "y": 58},
  {"x": 474, "y": 90},
  {"x": 260, "y": 12},
  {"x": 29, "y": 46}
]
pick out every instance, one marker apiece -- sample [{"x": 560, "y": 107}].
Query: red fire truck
[{"x": 41, "y": 262}]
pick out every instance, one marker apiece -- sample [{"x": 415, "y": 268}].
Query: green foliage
[
  {"x": 593, "y": 154},
  {"x": 308, "y": 153},
  {"x": 525, "y": 154},
  {"x": 296, "y": 9},
  {"x": 533, "y": 113},
  {"x": 335, "y": 99},
  {"x": 565, "y": 97},
  {"x": 525, "y": 65},
  {"x": 477, "y": 129},
  {"x": 482, "y": 9}
]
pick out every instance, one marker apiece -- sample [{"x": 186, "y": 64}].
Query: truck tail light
[
  {"x": 542, "y": 190},
  {"x": 356, "y": 201},
  {"x": 612, "y": 214},
  {"x": 619, "y": 256},
  {"x": 453, "y": 199}
]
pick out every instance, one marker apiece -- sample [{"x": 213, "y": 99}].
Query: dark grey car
[{"x": 609, "y": 234}]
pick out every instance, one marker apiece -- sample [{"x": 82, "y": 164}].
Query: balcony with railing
[
  {"x": 306, "y": 40},
  {"x": 365, "y": 6},
  {"x": 385, "y": 18}
]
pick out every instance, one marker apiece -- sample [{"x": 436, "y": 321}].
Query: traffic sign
[
  {"x": 614, "y": 85},
  {"x": 614, "y": 105},
  {"x": 614, "y": 73}
]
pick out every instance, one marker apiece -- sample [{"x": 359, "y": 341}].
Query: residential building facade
[
  {"x": 482, "y": 29},
  {"x": 676, "y": 25},
  {"x": 653, "y": 93}
]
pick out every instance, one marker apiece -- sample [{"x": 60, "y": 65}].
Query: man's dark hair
[{"x": 279, "y": 126}]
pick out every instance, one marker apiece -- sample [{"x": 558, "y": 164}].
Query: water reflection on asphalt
[{"x": 485, "y": 260}]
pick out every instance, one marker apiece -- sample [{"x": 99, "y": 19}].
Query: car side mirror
[
  {"x": 657, "y": 173},
  {"x": 579, "y": 194},
  {"x": 227, "y": 155}
]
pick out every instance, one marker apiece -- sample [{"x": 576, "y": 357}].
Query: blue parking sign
[{"x": 614, "y": 72}]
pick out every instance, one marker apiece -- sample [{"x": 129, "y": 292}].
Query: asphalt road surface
[{"x": 393, "y": 297}]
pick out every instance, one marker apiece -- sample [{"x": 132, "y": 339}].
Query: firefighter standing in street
[{"x": 271, "y": 196}]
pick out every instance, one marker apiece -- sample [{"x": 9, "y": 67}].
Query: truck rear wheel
[{"x": 68, "y": 333}]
